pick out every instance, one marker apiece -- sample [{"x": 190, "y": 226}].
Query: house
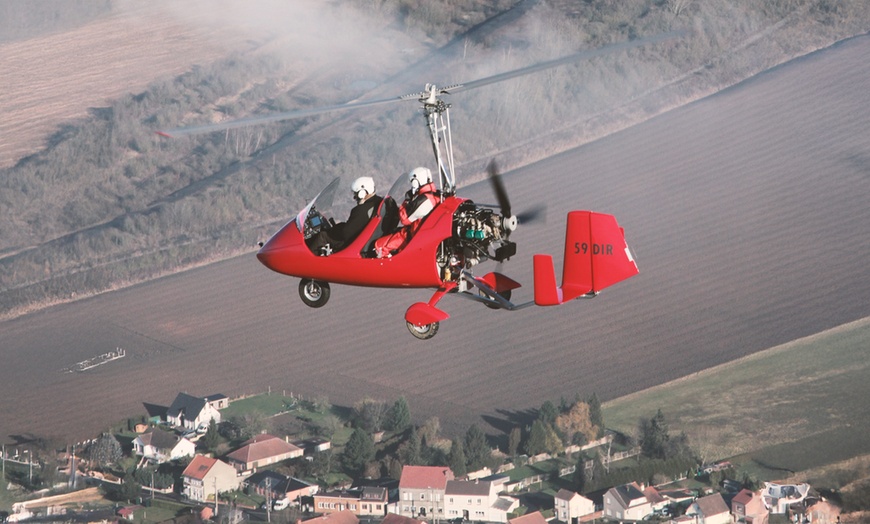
[
  {"x": 279, "y": 486},
  {"x": 205, "y": 476},
  {"x": 823, "y": 512},
  {"x": 262, "y": 450},
  {"x": 367, "y": 500},
  {"x": 421, "y": 491},
  {"x": 748, "y": 508},
  {"x": 478, "y": 500},
  {"x": 393, "y": 518},
  {"x": 569, "y": 506},
  {"x": 339, "y": 517},
  {"x": 158, "y": 446},
  {"x": 778, "y": 497},
  {"x": 529, "y": 518},
  {"x": 189, "y": 412},
  {"x": 626, "y": 502},
  {"x": 710, "y": 510}
]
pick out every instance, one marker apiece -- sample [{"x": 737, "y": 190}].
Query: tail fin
[{"x": 596, "y": 257}]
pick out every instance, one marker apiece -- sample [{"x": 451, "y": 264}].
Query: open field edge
[{"x": 741, "y": 409}]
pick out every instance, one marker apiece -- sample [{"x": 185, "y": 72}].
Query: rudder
[{"x": 596, "y": 257}]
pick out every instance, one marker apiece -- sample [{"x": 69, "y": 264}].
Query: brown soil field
[
  {"x": 747, "y": 211},
  {"x": 50, "y": 80}
]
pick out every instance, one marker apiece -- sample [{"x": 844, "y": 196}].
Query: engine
[{"x": 479, "y": 234}]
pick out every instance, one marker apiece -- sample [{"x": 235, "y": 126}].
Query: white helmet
[
  {"x": 419, "y": 177},
  {"x": 362, "y": 187}
]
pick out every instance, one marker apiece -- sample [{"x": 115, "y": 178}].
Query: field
[
  {"x": 93, "y": 64},
  {"x": 747, "y": 211},
  {"x": 791, "y": 408}
]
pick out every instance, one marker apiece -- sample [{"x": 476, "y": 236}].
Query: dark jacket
[{"x": 345, "y": 232}]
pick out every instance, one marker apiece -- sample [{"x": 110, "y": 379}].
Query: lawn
[{"x": 791, "y": 408}]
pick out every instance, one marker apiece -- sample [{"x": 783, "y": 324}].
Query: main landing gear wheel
[
  {"x": 505, "y": 294},
  {"x": 314, "y": 293},
  {"x": 423, "y": 332}
]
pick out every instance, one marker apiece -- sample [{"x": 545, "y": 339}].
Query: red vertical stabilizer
[{"x": 596, "y": 257}]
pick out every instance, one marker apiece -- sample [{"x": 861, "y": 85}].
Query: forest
[{"x": 109, "y": 202}]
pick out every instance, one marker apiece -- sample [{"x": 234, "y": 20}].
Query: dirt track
[{"x": 747, "y": 211}]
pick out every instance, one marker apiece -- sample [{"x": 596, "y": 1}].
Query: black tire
[
  {"x": 506, "y": 295},
  {"x": 423, "y": 332},
  {"x": 314, "y": 293}
]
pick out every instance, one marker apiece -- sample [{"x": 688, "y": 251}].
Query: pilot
[
  {"x": 420, "y": 200},
  {"x": 343, "y": 233}
]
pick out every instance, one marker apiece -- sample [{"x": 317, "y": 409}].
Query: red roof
[
  {"x": 425, "y": 477},
  {"x": 744, "y": 497},
  {"x": 392, "y": 518},
  {"x": 339, "y": 517},
  {"x": 262, "y": 447},
  {"x": 529, "y": 518},
  {"x": 198, "y": 467}
]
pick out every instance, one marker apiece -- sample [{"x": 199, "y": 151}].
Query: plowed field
[{"x": 49, "y": 80}]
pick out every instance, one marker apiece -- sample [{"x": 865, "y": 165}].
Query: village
[{"x": 174, "y": 462}]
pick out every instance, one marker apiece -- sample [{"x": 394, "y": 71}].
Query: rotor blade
[
  {"x": 498, "y": 188},
  {"x": 576, "y": 57},
  {"x": 455, "y": 88},
  {"x": 277, "y": 117},
  {"x": 535, "y": 214}
]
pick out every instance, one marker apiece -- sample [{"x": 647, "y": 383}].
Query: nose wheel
[
  {"x": 423, "y": 332},
  {"x": 314, "y": 293}
]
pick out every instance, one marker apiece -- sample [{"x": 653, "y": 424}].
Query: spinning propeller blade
[{"x": 498, "y": 188}]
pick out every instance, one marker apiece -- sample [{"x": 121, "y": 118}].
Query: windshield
[
  {"x": 399, "y": 188},
  {"x": 323, "y": 201}
]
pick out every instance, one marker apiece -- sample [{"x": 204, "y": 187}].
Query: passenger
[
  {"x": 420, "y": 200},
  {"x": 343, "y": 233}
]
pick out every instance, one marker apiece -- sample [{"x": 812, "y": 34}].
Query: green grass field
[{"x": 795, "y": 407}]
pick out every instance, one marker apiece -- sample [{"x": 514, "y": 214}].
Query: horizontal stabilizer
[{"x": 596, "y": 257}]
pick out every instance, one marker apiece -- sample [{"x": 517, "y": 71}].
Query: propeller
[{"x": 534, "y": 214}]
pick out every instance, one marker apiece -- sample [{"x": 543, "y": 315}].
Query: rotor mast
[{"x": 437, "y": 113}]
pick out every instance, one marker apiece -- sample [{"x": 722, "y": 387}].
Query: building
[
  {"x": 278, "y": 486},
  {"x": 189, "y": 412},
  {"x": 529, "y": 518},
  {"x": 711, "y": 509},
  {"x": 569, "y": 506},
  {"x": 626, "y": 502},
  {"x": 478, "y": 500},
  {"x": 748, "y": 508},
  {"x": 158, "y": 446},
  {"x": 421, "y": 491},
  {"x": 262, "y": 450},
  {"x": 205, "y": 476},
  {"x": 778, "y": 497},
  {"x": 367, "y": 500},
  {"x": 339, "y": 517}
]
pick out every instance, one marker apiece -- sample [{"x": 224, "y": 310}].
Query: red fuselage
[{"x": 415, "y": 266}]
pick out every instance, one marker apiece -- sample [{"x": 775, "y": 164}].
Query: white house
[
  {"x": 160, "y": 446},
  {"x": 711, "y": 509},
  {"x": 626, "y": 502},
  {"x": 191, "y": 412},
  {"x": 569, "y": 506},
  {"x": 478, "y": 500}
]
